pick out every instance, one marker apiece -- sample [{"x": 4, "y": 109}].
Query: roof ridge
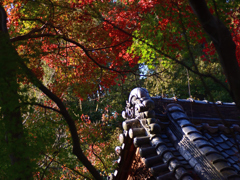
[
  {"x": 172, "y": 146},
  {"x": 194, "y": 100},
  {"x": 194, "y": 147}
]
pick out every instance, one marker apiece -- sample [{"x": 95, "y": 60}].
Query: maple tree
[
  {"x": 60, "y": 48},
  {"x": 64, "y": 50},
  {"x": 52, "y": 48},
  {"x": 171, "y": 34}
]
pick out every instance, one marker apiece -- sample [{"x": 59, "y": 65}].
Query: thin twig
[
  {"x": 70, "y": 169},
  {"x": 43, "y": 106},
  {"x": 42, "y": 176},
  {"x": 99, "y": 159},
  {"x": 107, "y": 47}
]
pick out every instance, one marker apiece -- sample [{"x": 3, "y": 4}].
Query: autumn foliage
[
  {"x": 86, "y": 42},
  {"x": 86, "y": 47},
  {"x": 71, "y": 39}
]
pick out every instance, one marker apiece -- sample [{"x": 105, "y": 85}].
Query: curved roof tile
[{"x": 179, "y": 139}]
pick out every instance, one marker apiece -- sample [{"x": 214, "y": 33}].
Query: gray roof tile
[
  {"x": 228, "y": 172},
  {"x": 175, "y": 108},
  {"x": 232, "y": 140},
  {"x": 139, "y": 141},
  {"x": 236, "y": 167},
  {"x": 164, "y": 136},
  {"x": 157, "y": 141},
  {"x": 212, "y": 157},
  {"x": 173, "y": 164},
  {"x": 207, "y": 149},
  {"x": 213, "y": 142},
  {"x": 184, "y": 122},
  {"x": 210, "y": 129},
  {"x": 219, "y": 148},
  {"x": 234, "y": 177},
  {"x": 224, "y": 145},
  {"x": 153, "y": 160},
  {"x": 162, "y": 149},
  {"x": 231, "y": 161},
  {"x": 225, "y": 138},
  {"x": 184, "y": 162},
  {"x": 159, "y": 168},
  {"x": 154, "y": 128},
  {"x": 144, "y": 152},
  {"x": 218, "y": 139},
  {"x": 230, "y": 152},
  {"x": 193, "y": 162},
  {"x": 193, "y": 136},
  {"x": 186, "y": 155},
  {"x": 189, "y": 129},
  {"x": 208, "y": 136},
  {"x": 235, "y": 158},
  {"x": 229, "y": 143},
  {"x": 169, "y": 175},
  {"x": 236, "y": 127},
  {"x": 225, "y": 154},
  {"x": 178, "y": 115},
  {"x": 202, "y": 142},
  {"x": 220, "y": 165},
  {"x": 234, "y": 149},
  {"x": 181, "y": 173}
]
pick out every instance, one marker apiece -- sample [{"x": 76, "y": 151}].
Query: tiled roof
[{"x": 180, "y": 139}]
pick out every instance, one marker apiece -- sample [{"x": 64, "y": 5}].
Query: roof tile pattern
[
  {"x": 174, "y": 146},
  {"x": 195, "y": 147}
]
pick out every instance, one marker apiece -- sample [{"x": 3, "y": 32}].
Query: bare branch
[
  {"x": 90, "y": 57},
  {"x": 30, "y": 36},
  {"x": 95, "y": 154},
  {"x": 46, "y": 107},
  {"x": 77, "y": 172},
  {"x": 42, "y": 176},
  {"x": 107, "y": 47}
]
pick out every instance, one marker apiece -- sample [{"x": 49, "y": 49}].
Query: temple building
[{"x": 175, "y": 139}]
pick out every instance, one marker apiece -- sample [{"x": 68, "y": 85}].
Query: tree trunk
[
  {"x": 224, "y": 44},
  {"x": 15, "y": 143},
  {"x": 9, "y": 102}
]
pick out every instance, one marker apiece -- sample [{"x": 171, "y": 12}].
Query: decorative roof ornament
[{"x": 178, "y": 139}]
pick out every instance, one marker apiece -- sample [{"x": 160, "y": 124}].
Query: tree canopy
[{"x": 66, "y": 66}]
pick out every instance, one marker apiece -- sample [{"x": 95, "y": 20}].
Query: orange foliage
[{"x": 70, "y": 38}]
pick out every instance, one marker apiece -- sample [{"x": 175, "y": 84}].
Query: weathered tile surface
[{"x": 181, "y": 139}]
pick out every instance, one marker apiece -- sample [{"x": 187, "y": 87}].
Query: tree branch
[
  {"x": 224, "y": 44},
  {"x": 107, "y": 47},
  {"x": 90, "y": 57},
  {"x": 43, "y": 106},
  {"x": 77, "y": 150},
  {"x": 95, "y": 154},
  {"x": 170, "y": 57},
  {"x": 77, "y": 172},
  {"x": 30, "y": 36},
  {"x": 27, "y": 36},
  {"x": 3, "y": 20},
  {"x": 51, "y": 160}
]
